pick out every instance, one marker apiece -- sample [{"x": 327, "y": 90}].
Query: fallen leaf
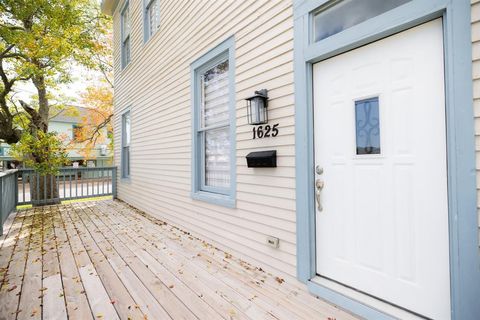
[
  {"x": 279, "y": 280},
  {"x": 12, "y": 288}
]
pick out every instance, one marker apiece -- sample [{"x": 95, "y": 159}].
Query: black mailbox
[{"x": 262, "y": 159}]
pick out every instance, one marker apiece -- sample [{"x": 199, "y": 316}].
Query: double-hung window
[
  {"x": 152, "y": 17},
  {"x": 125, "y": 161},
  {"x": 125, "y": 34},
  {"x": 213, "y": 177}
]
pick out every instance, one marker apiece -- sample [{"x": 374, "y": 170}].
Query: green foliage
[
  {"x": 43, "y": 42},
  {"x": 43, "y": 152},
  {"x": 48, "y": 35}
]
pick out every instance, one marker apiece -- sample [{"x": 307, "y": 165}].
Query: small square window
[{"x": 367, "y": 126}]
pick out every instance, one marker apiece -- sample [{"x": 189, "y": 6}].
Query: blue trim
[
  {"x": 347, "y": 303},
  {"x": 219, "y": 196},
  {"x": 463, "y": 223},
  {"x": 215, "y": 198}
]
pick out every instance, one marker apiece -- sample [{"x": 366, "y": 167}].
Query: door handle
[{"x": 319, "y": 184}]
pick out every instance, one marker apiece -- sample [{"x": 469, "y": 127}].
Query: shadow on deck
[{"x": 107, "y": 260}]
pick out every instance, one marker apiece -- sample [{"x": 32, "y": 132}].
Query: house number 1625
[{"x": 265, "y": 131}]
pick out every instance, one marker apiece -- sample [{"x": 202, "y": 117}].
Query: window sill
[
  {"x": 146, "y": 39},
  {"x": 215, "y": 198},
  {"x": 124, "y": 68},
  {"x": 125, "y": 180}
]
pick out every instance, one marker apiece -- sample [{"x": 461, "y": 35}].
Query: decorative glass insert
[
  {"x": 348, "y": 13},
  {"x": 367, "y": 125}
]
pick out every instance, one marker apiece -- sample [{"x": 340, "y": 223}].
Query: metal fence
[
  {"x": 70, "y": 183},
  {"x": 8, "y": 195}
]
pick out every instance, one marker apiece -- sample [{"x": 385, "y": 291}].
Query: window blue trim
[
  {"x": 123, "y": 63},
  {"x": 463, "y": 224},
  {"x": 146, "y": 23},
  {"x": 219, "y": 196},
  {"x": 122, "y": 155}
]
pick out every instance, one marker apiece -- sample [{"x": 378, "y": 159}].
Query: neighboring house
[
  {"x": 65, "y": 123},
  {"x": 372, "y": 202}
]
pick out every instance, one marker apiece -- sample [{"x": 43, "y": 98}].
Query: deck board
[
  {"x": 107, "y": 260},
  {"x": 30, "y": 306}
]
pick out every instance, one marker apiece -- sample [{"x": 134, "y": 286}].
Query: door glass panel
[
  {"x": 349, "y": 13},
  {"x": 367, "y": 126}
]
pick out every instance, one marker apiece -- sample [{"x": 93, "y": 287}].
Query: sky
[{"x": 80, "y": 80}]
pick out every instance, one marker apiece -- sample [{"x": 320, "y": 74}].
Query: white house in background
[
  {"x": 360, "y": 185},
  {"x": 64, "y": 124}
]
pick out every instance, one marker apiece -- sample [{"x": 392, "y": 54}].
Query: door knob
[
  {"x": 319, "y": 184},
  {"x": 318, "y": 169}
]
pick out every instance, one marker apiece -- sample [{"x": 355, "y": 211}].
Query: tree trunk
[
  {"x": 44, "y": 190},
  {"x": 41, "y": 122}
]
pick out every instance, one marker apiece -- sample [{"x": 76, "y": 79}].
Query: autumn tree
[
  {"x": 97, "y": 99},
  {"x": 39, "y": 40},
  {"x": 96, "y": 124}
]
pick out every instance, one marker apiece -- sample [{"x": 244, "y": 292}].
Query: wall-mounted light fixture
[{"x": 257, "y": 107}]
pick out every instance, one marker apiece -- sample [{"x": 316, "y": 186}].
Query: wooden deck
[{"x": 106, "y": 260}]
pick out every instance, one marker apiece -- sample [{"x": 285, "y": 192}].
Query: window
[
  {"x": 126, "y": 124},
  {"x": 214, "y": 131},
  {"x": 125, "y": 21},
  {"x": 348, "y": 13},
  {"x": 367, "y": 126},
  {"x": 76, "y": 132},
  {"x": 152, "y": 17}
]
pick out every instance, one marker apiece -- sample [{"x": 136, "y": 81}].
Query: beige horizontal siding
[
  {"x": 156, "y": 86},
  {"x": 476, "y": 90}
]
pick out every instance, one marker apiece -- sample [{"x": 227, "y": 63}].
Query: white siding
[
  {"x": 156, "y": 85},
  {"x": 476, "y": 88}
]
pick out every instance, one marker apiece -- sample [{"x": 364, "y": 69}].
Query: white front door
[{"x": 380, "y": 140}]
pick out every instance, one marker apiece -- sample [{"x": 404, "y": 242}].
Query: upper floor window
[
  {"x": 214, "y": 130},
  {"x": 152, "y": 18},
  {"x": 76, "y": 132},
  {"x": 125, "y": 21}
]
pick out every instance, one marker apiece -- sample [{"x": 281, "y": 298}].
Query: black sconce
[{"x": 257, "y": 108}]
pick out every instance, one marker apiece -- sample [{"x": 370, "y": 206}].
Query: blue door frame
[{"x": 463, "y": 223}]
